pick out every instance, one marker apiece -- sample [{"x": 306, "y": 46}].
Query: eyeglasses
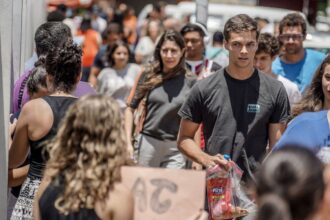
[{"x": 287, "y": 37}]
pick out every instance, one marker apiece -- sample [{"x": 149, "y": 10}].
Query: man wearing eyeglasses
[
  {"x": 296, "y": 63},
  {"x": 242, "y": 109}
]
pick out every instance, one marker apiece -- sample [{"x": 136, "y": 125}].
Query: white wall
[{"x": 18, "y": 22}]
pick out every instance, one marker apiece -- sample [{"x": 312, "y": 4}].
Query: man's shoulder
[
  {"x": 315, "y": 53},
  {"x": 212, "y": 80},
  {"x": 277, "y": 65},
  {"x": 265, "y": 78},
  {"x": 215, "y": 66},
  {"x": 287, "y": 83}
]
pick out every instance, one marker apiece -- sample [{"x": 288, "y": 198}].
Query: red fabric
[{"x": 202, "y": 146}]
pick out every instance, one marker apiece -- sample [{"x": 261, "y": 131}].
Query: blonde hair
[{"x": 87, "y": 153}]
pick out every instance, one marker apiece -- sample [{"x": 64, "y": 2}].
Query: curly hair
[
  {"x": 51, "y": 35},
  {"x": 291, "y": 20},
  {"x": 64, "y": 64},
  {"x": 37, "y": 78},
  {"x": 313, "y": 99},
  {"x": 268, "y": 44},
  {"x": 87, "y": 153}
]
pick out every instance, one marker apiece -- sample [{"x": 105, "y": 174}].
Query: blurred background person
[
  {"x": 118, "y": 79},
  {"x": 160, "y": 90},
  {"x": 217, "y": 52},
  {"x": 113, "y": 33},
  {"x": 171, "y": 23},
  {"x": 82, "y": 179},
  {"x": 90, "y": 44},
  {"x": 268, "y": 49},
  {"x": 146, "y": 45},
  {"x": 98, "y": 23},
  {"x": 196, "y": 39},
  {"x": 130, "y": 25},
  {"x": 296, "y": 63}
]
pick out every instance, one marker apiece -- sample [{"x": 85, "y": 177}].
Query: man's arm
[
  {"x": 188, "y": 146},
  {"x": 275, "y": 131}
]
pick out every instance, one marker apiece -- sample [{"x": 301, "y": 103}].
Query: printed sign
[{"x": 162, "y": 194}]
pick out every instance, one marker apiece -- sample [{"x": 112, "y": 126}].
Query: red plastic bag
[{"x": 225, "y": 197}]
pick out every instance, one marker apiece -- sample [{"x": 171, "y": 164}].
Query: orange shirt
[
  {"x": 130, "y": 23},
  {"x": 90, "y": 46}
]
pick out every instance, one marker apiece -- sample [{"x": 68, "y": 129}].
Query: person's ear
[
  {"x": 226, "y": 44},
  {"x": 79, "y": 77},
  {"x": 274, "y": 57}
]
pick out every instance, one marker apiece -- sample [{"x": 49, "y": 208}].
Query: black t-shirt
[{"x": 236, "y": 113}]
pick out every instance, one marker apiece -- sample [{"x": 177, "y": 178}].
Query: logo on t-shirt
[{"x": 253, "y": 108}]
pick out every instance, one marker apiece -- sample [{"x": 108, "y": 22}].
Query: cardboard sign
[{"x": 165, "y": 193}]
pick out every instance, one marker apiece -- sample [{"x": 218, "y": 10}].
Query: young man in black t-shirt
[{"x": 243, "y": 111}]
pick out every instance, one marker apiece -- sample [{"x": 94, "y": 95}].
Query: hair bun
[
  {"x": 41, "y": 61},
  {"x": 273, "y": 207}
]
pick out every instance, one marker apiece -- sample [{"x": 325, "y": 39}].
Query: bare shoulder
[
  {"x": 38, "y": 116},
  {"x": 119, "y": 205},
  {"x": 35, "y": 106}
]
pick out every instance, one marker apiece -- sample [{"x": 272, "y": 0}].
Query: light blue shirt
[
  {"x": 302, "y": 72},
  {"x": 309, "y": 130}
]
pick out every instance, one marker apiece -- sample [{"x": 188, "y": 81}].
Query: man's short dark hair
[
  {"x": 240, "y": 23},
  {"x": 190, "y": 27},
  {"x": 291, "y": 20},
  {"x": 56, "y": 15},
  {"x": 268, "y": 44},
  {"x": 218, "y": 37},
  {"x": 51, "y": 35}
]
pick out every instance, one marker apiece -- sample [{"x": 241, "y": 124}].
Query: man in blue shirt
[{"x": 296, "y": 64}]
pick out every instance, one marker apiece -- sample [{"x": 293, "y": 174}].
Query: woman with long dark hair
[
  {"x": 161, "y": 88},
  {"x": 317, "y": 95}
]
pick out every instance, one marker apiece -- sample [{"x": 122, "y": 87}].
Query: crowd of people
[{"x": 106, "y": 91}]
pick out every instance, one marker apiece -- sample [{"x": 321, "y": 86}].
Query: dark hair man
[
  {"x": 196, "y": 38},
  {"x": 48, "y": 36},
  {"x": 296, "y": 64},
  {"x": 268, "y": 49},
  {"x": 242, "y": 110}
]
